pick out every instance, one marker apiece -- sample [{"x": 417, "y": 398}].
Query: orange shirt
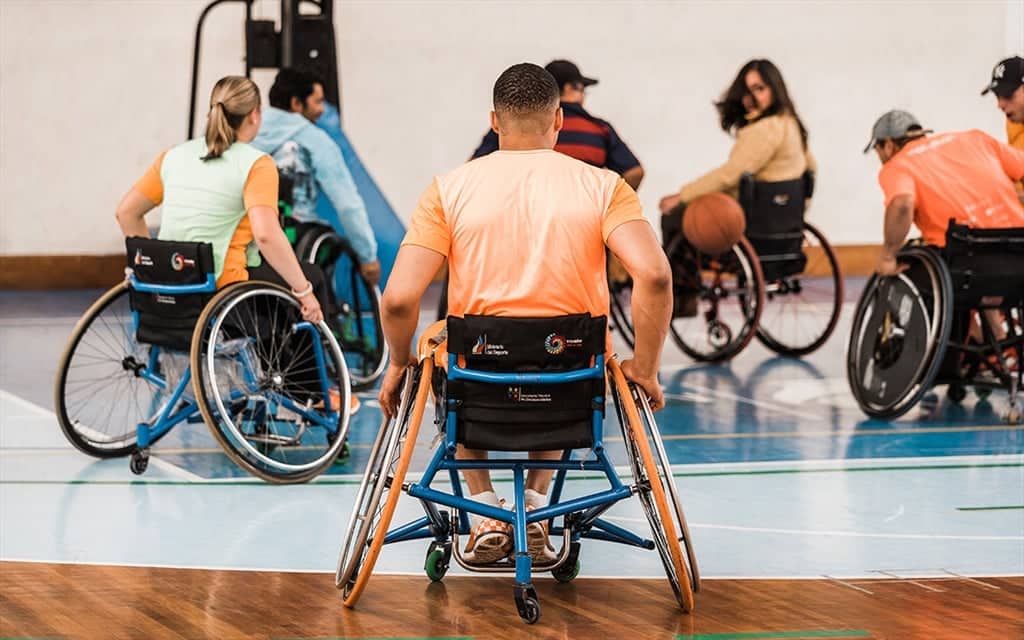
[
  {"x": 1015, "y": 134},
  {"x": 260, "y": 190},
  {"x": 964, "y": 175},
  {"x": 524, "y": 233}
]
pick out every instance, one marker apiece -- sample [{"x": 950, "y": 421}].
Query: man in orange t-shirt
[
  {"x": 928, "y": 179},
  {"x": 525, "y": 230}
]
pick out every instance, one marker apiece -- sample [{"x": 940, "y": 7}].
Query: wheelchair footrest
[{"x": 508, "y": 565}]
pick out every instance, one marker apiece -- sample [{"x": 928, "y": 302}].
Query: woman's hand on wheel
[{"x": 311, "y": 310}]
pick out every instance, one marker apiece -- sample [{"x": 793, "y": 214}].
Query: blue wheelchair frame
[
  {"x": 587, "y": 525},
  {"x": 168, "y": 417}
]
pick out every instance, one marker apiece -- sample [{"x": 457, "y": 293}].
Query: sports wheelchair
[
  {"x": 355, "y": 316},
  {"x": 780, "y": 283},
  {"x": 912, "y": 331},
  {"x": 165, "y": 347},
  {"x": 515, "y": 384}
]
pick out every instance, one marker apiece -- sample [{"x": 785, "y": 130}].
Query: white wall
[{"x": 83, "y": 112}]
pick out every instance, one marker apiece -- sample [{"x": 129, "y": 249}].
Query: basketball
[{"x": 713, "y": 223}]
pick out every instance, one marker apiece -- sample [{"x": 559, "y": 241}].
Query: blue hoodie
[{"x": 314, "y": 162}]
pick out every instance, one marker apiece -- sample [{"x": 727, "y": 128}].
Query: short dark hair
[
  {"x": 525, "y": 89},
  {"x": 292, "y": 83}
]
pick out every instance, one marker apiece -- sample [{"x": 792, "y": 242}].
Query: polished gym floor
[{"x": 782, "y": 477}]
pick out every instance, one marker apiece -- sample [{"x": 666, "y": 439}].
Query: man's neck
[{"x": 520, "y": 142}]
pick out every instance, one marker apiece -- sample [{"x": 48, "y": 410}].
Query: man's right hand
[
  {"x": 649, "y": 383},
  {"x": 371, "y": 271},
  {"x": 391, "y": 388}
]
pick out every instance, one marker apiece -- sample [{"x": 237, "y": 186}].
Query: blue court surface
[{"x": 780, "y": 473}]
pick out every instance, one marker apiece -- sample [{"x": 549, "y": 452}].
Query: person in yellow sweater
[
  {"x": 1007, "y": 84},
  {"x": 771, "y": 144}
]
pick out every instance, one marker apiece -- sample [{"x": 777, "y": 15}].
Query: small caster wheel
[
  {"x": 139, "y": 461},
  {"x": 982, "y": 392},
  {"x": 343, "y": 454},
  {"x": 568, "y": 570},
  {"x": 956, "y": 393},
  {"x": 438, "y": 558},
  {"x": 527, "y": 604}
]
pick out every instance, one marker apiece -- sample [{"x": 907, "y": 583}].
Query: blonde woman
[{"x": 221, "y": 190}]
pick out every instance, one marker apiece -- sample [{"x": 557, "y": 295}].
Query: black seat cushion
[
  {"x": 168, "y": 320},
  {"x": 526, "y": 417}
]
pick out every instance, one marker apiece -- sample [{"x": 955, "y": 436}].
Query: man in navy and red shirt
[{"x": 583, "y": 136}]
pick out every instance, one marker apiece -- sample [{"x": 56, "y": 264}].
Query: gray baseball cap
[{"x": 894, "y": 125}]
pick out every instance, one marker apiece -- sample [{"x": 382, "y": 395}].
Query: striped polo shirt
[{"x": 583, "y": 137}]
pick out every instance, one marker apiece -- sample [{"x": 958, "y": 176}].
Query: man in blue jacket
[{"x": 313, "y": 161}]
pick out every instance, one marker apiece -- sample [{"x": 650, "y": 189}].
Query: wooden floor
[{"x": 93, "y": 602}]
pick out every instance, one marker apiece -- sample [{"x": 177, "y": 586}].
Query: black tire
[
  {"x": 900, "y": 331},
  {"x": 795, "y": 302},
  {"x": 266, "y": 414},
  {"x": 730, "y": 301},
  {"x": 98, "y": 395},
  {"x": 358, "y": 311}
]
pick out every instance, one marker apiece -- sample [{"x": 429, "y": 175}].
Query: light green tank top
[{"x": 203, "y": 199}]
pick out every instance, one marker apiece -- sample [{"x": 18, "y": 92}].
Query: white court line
[
  {"x": 35, "y": 408},
  {"x": 757, "y": 403},
  {"x": 168, "y": 467},
  {"x": 834, "y": 534}
]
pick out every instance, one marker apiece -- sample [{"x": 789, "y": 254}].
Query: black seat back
[
  {"x": 775, "y": 222},
  {"x": 986, "y": 266},
  {"x": 526, "y": 417},
  {"x": 167, "y": 319}
]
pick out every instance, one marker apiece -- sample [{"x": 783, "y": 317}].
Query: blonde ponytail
[{"x": 232, "y": 100}]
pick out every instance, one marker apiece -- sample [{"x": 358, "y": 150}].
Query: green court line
[
  {"x": 759, "y": 635},
  {"x": 357, "y": 481},
  {"x": 1015, "y": 506}
]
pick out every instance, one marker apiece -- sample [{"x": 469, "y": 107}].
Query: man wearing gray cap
[{"x": 927, "y": 179}]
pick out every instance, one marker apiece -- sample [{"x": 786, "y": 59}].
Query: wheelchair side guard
[{"x": 900, "y": 334}]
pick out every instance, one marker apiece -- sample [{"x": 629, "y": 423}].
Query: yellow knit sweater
[{"x": 769, "y": 148}]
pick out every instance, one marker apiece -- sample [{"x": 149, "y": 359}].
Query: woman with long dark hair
[
  {"x": 771, "y": 144},
  {"x": 771, "y": 139}
]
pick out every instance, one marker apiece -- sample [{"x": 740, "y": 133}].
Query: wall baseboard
[
  {"x": 97, "y": 272},
  {"x": 61, "y": 272}
]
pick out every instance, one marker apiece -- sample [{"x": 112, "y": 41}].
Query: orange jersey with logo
[{"x": 968, "y": 176}]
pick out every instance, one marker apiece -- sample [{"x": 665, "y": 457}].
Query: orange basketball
[{"x": 713, "y": 223}]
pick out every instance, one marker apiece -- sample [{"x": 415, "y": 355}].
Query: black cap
[
  {"x": 1006, "y": 77},
  {"x": 566, "y": 72}
]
